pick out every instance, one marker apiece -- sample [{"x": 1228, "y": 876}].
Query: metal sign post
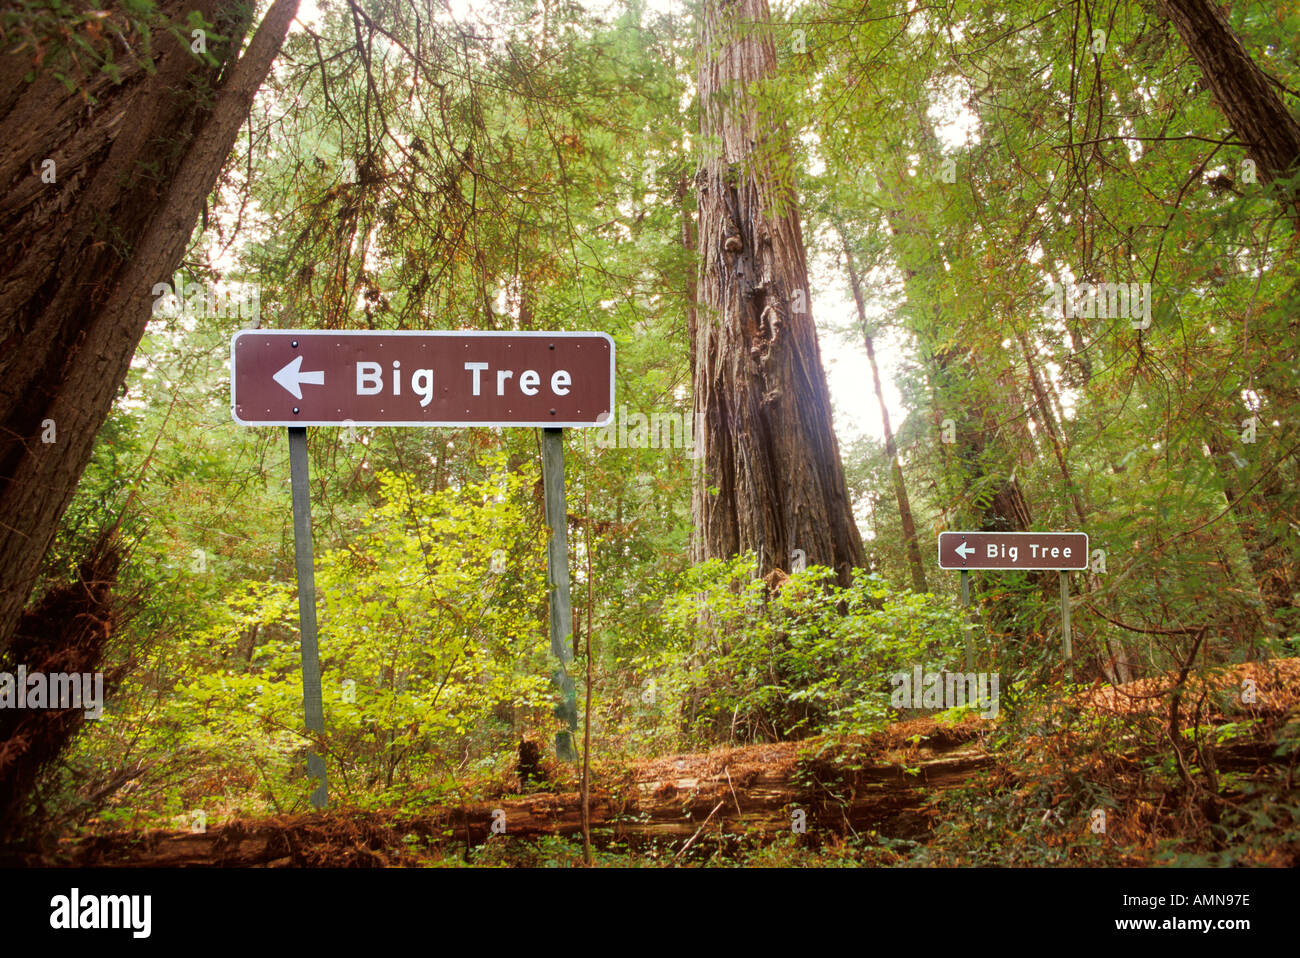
[
  {"x": 966, "y": 623},
  {"x": 313, "y": 707},
  {"x": 312, "y": 377},
  {"x": 1066, "y": 646},
  {"x": 557, "y": 573},
  {"x": 1055, "y": 551}
]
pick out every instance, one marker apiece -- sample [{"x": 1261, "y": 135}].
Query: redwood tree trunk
[
  {"x": 132, "y": 172},
  {"x": 1249, "y": 101},
  {"x": 772, "y": 480},
  {"x": 1271, "y": 133}
]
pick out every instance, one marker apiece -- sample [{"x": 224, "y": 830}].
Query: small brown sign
[
  {"x": 310, "y": 377},
  {"x": 1013, "y": 550}
]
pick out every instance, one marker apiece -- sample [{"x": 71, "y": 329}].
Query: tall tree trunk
[
  {"x": 1271, "y": 558},
  {"x": 1249, "y": 101},
  {"x": 132, "y": 175},
  {"x": 772, "y": 480},
  {"x": 891, "y": 445}
]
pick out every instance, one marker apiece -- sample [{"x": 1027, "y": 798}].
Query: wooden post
[
  {"x": 1066, "y": 645},
  {"x": 557, "y": 568},
  {"x": 313, "y": 707}
]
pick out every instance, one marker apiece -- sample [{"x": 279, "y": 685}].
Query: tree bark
[
  {"x": 772, "y": 480},
  {"x": 1248, "y": 100},
  {"x": 132, "y": 174}
]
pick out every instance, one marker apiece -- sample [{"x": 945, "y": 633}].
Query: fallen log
[
  {"x": 882, "y": 783},
  {"x": 886, "y": 784}
]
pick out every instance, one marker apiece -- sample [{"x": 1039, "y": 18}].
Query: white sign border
[
  {"x": 424, "y": 424},
  {"x": 938, "y": 548}
]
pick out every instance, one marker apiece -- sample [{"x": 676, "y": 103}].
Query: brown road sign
[
  {"x": 1013, "y": 550},
  {"x": 310, "y": 377}
]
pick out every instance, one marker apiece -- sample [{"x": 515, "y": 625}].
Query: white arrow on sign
[
  {"x": 291, "y": 377},
  {"x": 964, "y": 550}
]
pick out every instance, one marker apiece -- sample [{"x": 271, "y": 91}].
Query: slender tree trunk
[
  {"x": 1271, "y": 561},
  {"x": 132, "y": 175},
  {"x": 891, "y": 445},
  {"x": 1116, "y": 663},
  {"x": 1047, "y": 418},
  {"x": 772, "y": 480}
]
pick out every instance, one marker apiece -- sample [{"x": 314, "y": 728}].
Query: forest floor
[{"x": 944, "y": 789}]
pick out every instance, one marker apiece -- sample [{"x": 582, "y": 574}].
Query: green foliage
[
  {"x": 424, "y": 646},
  {"x": 746, "y": 666},
  {"x": 75, "y": 41}
]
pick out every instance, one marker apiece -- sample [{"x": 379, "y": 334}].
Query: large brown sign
[
  {"x": 1013, "y": 550},
  {"x": 309, "y": 377}
]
